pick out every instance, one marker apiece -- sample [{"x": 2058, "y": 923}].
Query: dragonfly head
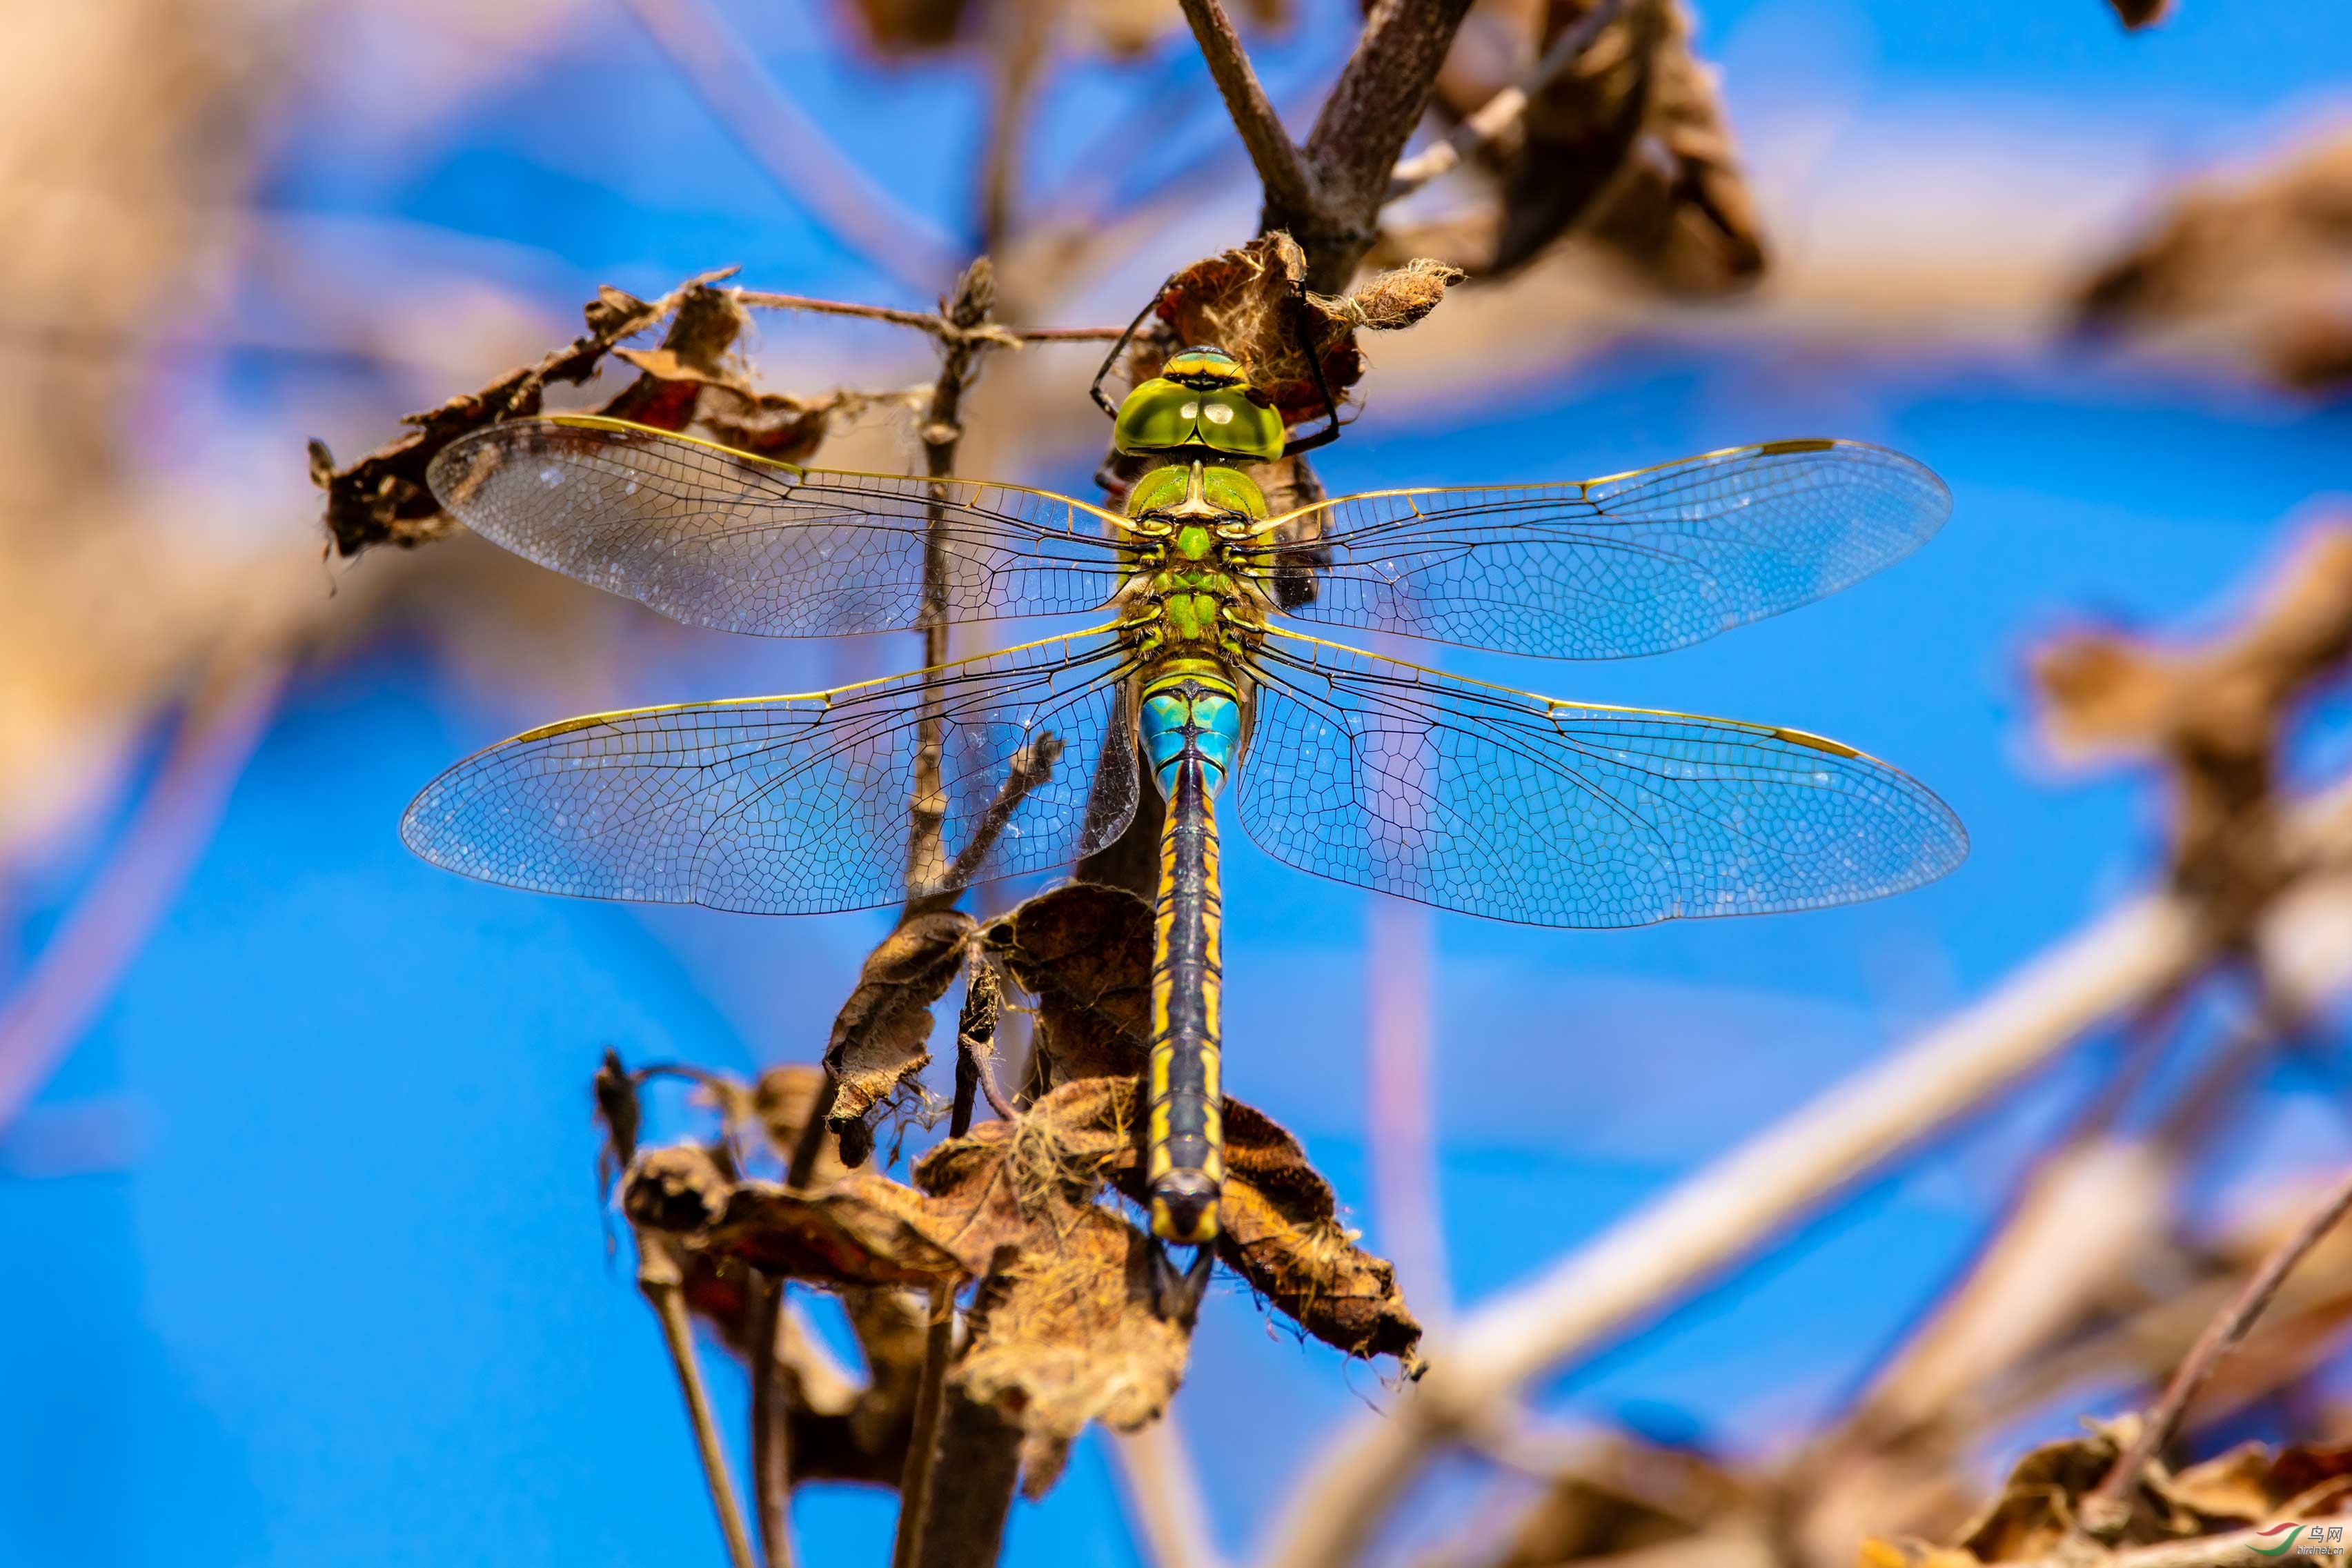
[{"x": 1199, "y": 399}]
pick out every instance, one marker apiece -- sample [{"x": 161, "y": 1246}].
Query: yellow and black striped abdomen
[
  {"x": 1188, "y": 1162},
  {"x": 1191, "y": 729}
]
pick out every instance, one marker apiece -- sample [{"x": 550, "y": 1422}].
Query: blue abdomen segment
[{"x": 1192, "y": 712}]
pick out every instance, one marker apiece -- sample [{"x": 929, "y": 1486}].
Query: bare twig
[
  {"x": 938, "y": 325},
  {"x": 663, "y": 1283},
  {"x": 790, "y": 148},
  {"x": 1281, "y": 169},
  {"x": 772, "y": 1463},
  {"x": 1498, "y": 113},
  {"x": 78, "y": 968},
  {"x": 966, "y": 311},
  {"x": 1163, "y": 1496},
  {"x": 2108, "y": 1510},
  {"x": 1726, "y": 1210}
]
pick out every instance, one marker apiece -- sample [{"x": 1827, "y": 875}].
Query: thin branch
[
  {"x": 791, "y": 147},
  {"x": 108, "y": 926},
  {"x": 1282, "y": 168},
  {"x": 1727, "y": 1210},
  {"x": 663, "y": 1283},
  {"x": 771, "y": 1461},
  {"x": 965, "y": 312},
  {"x": 923, "y": 1441},
  {"x": 1164, "y": 1499},
  {"x": 1361, "y": 131},
  {"x": 937, "y": 325},
  {"x": 2108, "y": 1510},
  {"x": 1503, "y": 110}
]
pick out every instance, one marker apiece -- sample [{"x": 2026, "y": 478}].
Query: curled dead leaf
[
  {"x": 383, "y": 498},
  {"x": 679, "y": 1188},
  {"x": 1282, "y": 1233},
  {"x": 1250, "y": 302},
  {"x": 781, "y": 1103},
  {"x": 864, "y": 1230},
  {"x": 879, "y": 1035},
  {"x": 1083, "y": 953},
  {"x": 1628, "y": 146}
]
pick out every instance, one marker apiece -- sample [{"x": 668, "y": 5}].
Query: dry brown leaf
[
  {"x": 382, "y": 498},
  {"x": 1066, "y": 1333},
  {"x": 2251, "y": 272},
  {"x": 781, "y": 1101},
  {"x": 1063, "y": 1329},
  {"x": 2250, "y": 1485},
  {"x": 878, "y": 1037},
  {"x": 1282, "y": 1233},
  {"x": 1249, "y": 302},
  {"x": 864, "y": 1230},
  {"x": 1083, "y": 953},
  {"x": 2215, "y": 714},
  {"x": 1628, "y": 146},
  {"x": 694, "y": 379},
  {"x": 2036, "y": 1508},
  {"x": 697, "y": 378}
]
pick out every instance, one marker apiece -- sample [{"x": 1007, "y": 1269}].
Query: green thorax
[
  {"x": 1202, "y": 616},
  {"x": 1199, "y": 400}
]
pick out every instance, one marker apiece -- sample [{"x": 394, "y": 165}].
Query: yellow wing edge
[
  {"x": 1756, "y": 449},
  {"x": 1795, "y": 736},
  {"x": 592, "y": 720}
]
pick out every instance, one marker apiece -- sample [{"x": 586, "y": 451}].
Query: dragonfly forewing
[
  {"x": 1495, "y": 802},
  {"x": 716, "y": 537},
  {"x": 1014, "y": 762},
  {"x": 1606, "y": 569}
]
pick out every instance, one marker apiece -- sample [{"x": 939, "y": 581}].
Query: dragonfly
[{"x": 1201, "y": 676}]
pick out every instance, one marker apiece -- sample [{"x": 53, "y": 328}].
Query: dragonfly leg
[{"x": 1176, "y": 1293}]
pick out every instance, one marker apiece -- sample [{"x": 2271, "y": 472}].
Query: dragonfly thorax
[{"x": 1197, "y": 610}]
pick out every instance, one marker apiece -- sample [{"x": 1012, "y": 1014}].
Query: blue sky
[{"x": 346, "y": 1298}]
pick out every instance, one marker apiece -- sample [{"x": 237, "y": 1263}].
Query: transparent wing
[
  {"x": 1606, "y": 569},
  {"x": 715, "y": 538},
  {"x": 1497, "y": 802},
  {"x": 801, "y": 805}
]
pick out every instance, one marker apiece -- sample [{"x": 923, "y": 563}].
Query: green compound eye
[
  {"x": 1162, "y": 415},
  {"x": 1158, "y": 416},
  {"x": 1231, "y": 423}
]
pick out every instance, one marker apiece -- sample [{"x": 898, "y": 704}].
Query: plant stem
[
  {"x": 2106, "y": 1510},
  {"x": 772, "y": 1463},
  {"x": 660, "y": 1278},
  {"x": 923, "y": 1441},
  {"x": 1281, "y": 169}
]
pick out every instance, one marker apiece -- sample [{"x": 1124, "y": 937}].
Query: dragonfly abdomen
[{"x": 1191, "y": 732}]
